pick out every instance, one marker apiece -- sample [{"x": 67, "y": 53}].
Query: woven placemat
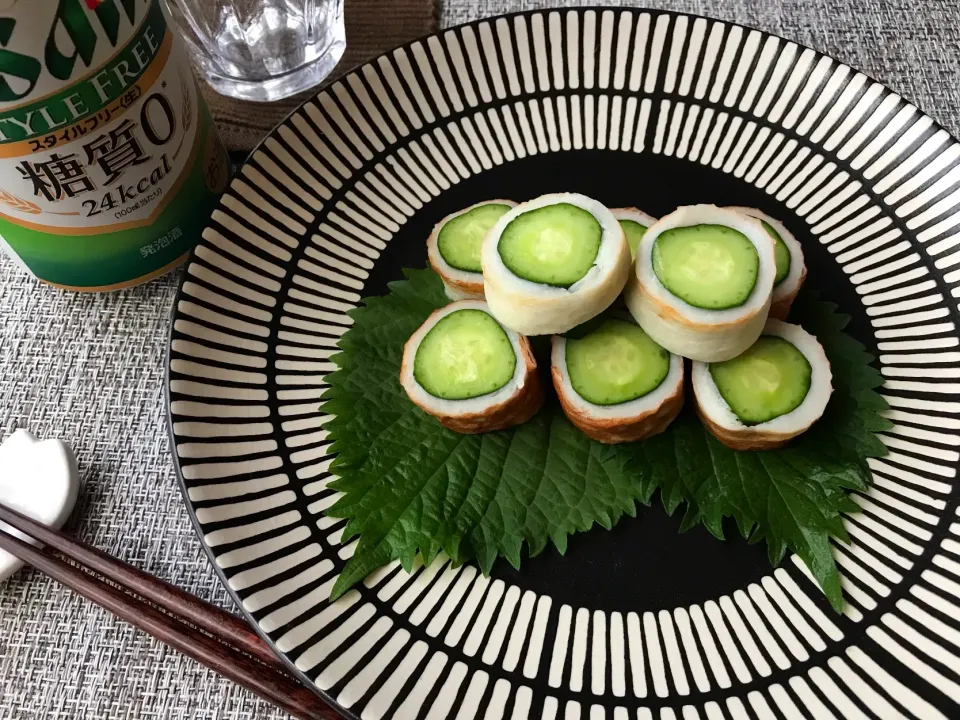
[
  {"x": 90, "y": 369},
  {"x": 373, "y": 27}
]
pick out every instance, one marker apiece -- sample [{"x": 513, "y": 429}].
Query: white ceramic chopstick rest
[{"x": 39, "y": 478}]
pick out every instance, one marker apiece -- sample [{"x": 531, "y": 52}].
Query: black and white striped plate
[{"x": 634, "y": 108}]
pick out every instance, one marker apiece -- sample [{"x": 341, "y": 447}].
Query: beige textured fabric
[
  {"x": 373, "y": 27},
  {"x": 89, "y": 369}
]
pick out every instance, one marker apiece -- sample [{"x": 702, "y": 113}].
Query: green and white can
[{"x": 109, "y": 161}]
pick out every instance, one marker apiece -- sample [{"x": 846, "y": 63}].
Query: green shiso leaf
[{"x": 410, "y": 486}]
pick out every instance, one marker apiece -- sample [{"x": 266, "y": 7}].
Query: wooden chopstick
[
  {"x": 165, "y": 621},
  {"x": 206, "y": 616}
]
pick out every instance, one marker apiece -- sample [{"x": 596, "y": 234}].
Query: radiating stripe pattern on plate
[{"x": 286, "y": 256}]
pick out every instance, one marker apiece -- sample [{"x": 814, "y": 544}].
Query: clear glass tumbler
[{"x": 262, "y": 49}]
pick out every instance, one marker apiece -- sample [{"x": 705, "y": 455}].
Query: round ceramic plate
[{"x": 633, "y": 108}]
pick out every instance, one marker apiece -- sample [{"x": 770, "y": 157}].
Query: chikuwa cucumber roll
[
  {"x": 472, "y": 374},
  {"x": 554, "y": 262},
  {"x": 773, "y": 391},
  {"x": 702, "y": 282},
  {"x": 791, "y": 269},
  {"x": 453, "y": 248},
  {"x": 615, "y": 383},
  {"x": 634, "y": 223}
]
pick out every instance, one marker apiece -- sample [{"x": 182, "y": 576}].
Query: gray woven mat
[{"x": 89, "y": 369}]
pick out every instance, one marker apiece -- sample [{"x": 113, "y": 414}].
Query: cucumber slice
[
  {"x": 460, "y": 239},
  {"x": 616, "y": 363},
  {"x": 465, "y": 355},
  {"x": 553, "y": 245},
  {"x": 781, "y": 253},
  {"x": 634, "y": 232},
  {"x": 712, "y": 267},
  {"x": 768, "y": 380}
]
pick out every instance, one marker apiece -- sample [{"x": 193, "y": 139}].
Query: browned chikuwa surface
[
  {"x": 779, "y": 309},
  {"x": 671, "y": 314},
  {"x": 517, "y": 409},
  {"x": 472, "y": 289},
  {"x": 619, "y": 430},
  {"x": 746, "y": 438}
]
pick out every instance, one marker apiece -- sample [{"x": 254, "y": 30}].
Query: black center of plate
[{"x": 644, "y": 563}]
